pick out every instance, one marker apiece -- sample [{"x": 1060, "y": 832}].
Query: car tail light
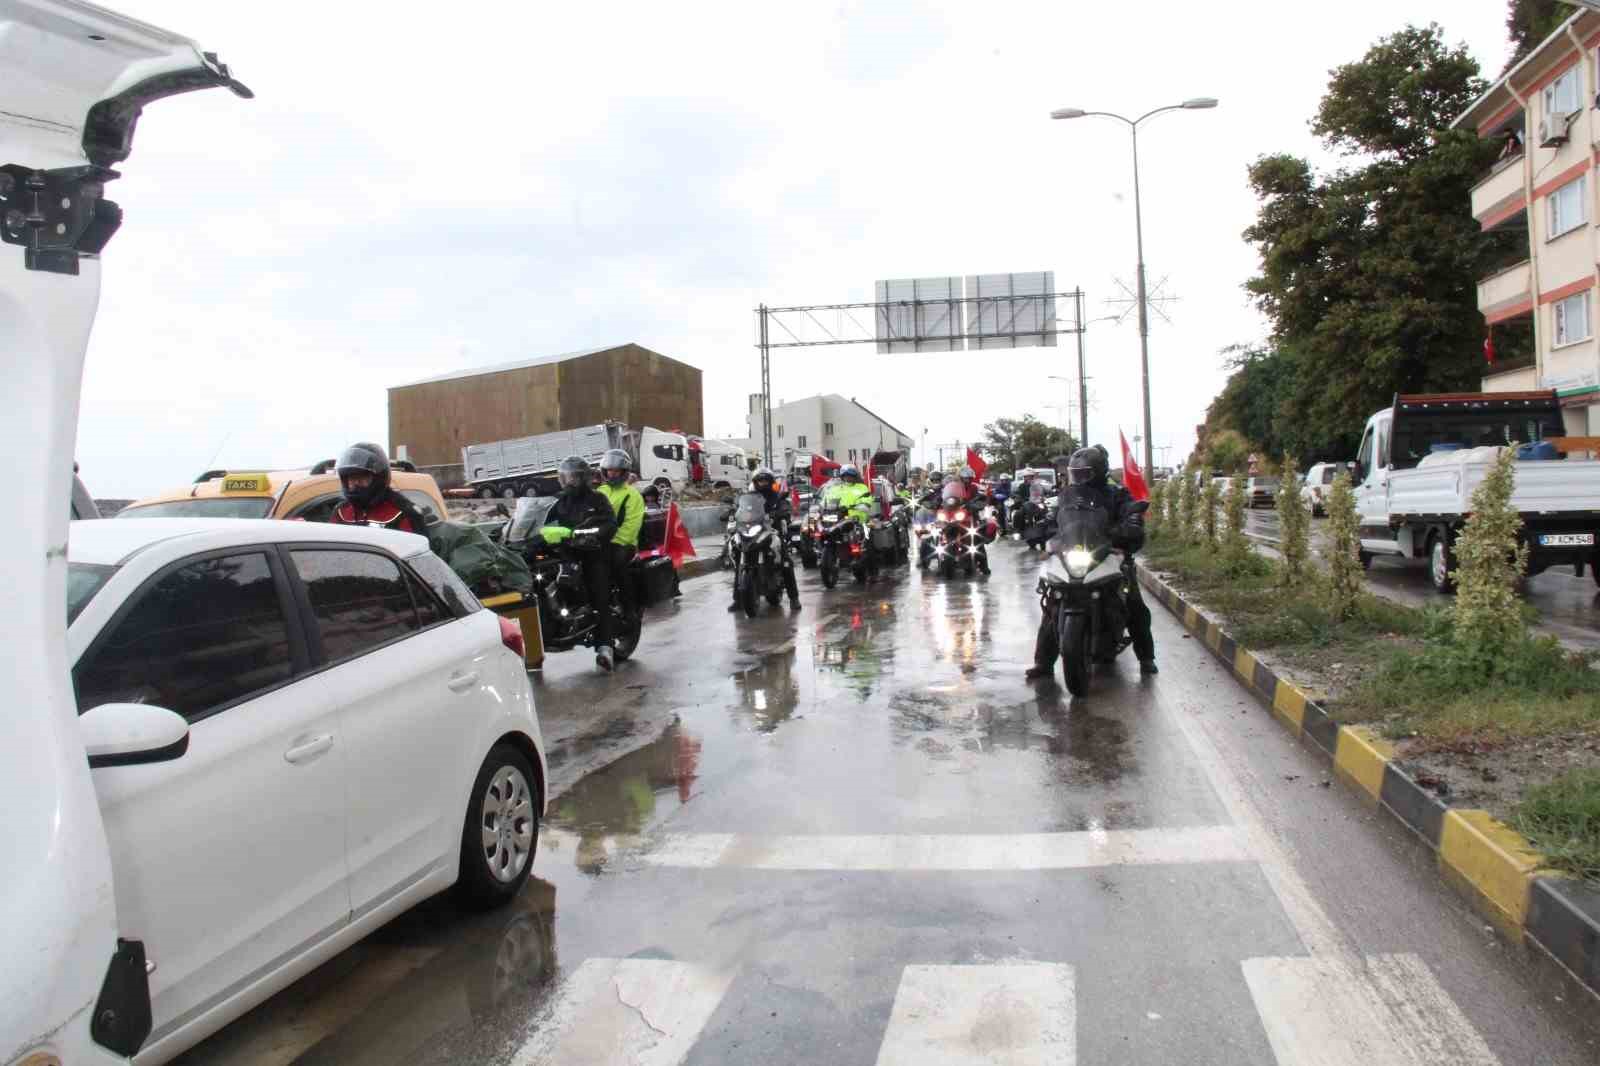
[{"x": 511, "y": 636}]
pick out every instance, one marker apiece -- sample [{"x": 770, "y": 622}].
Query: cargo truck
[
  {"x": 526, "y": 466},
  {"x": 1422, "y": 458}
]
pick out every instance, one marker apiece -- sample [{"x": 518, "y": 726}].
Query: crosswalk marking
[
  {"x": 1004, "y": 1015},
  {"x": 1324, "y": 1012},
  {"x": 930, "y": 852},
  {"x": 637, "y": 1012}
]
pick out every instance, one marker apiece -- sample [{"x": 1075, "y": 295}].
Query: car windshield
[
  {"x": 83, "y": 581},
  {"x": 203, "y": 507}
]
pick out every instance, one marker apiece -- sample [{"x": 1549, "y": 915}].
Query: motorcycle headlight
[
  {"x": 752, "y": 530},
  {"x": 944, "y": 516},
  {"x": 732, "y": 526},
  {"x": 1079, "y": 562}
]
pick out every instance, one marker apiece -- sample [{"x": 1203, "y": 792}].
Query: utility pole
[{"x": 1083, "y": 380}]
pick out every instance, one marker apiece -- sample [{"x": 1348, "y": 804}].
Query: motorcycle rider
[
  {"x": 369, "y": 499},
  {"x": 780, "y": 512},
  {"x": 628, "y": 503},
  {"x": 969, "y": 493},
  {"x": 1083, "y": 481},
  {"x": 1002, "y": 494},
  {"x": 581, "y": 507},
  {"x": 853, "y": 496}
]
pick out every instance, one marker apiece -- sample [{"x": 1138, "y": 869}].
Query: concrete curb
[{"x": 1487, "y": 861}]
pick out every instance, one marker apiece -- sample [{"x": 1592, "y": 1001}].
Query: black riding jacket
[
  {"x": 1114, "y": 499},
  {"x": 586, "y": 510}
]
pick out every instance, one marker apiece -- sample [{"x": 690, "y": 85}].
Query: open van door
[{"x": 76, "y": 79}]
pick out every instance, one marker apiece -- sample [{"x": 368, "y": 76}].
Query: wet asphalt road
[
  {"x": 867, "y": 840},
  {"x": 1568, "y": 606}
]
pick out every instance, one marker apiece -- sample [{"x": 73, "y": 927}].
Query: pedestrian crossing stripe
[
  {"x": 1001, "y": 1015},
  {"x": 951, "y": 852}
]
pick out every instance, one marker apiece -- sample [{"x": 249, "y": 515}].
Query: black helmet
[
  {"x": 763, "y": 473},
  {"x": 364, "y": 457},
  {"x": 614, "y": 466},
  {"x": 848, "y": 471},
  {"x": 573, "y": 475},
  {"x": 1087, "y": 466}
]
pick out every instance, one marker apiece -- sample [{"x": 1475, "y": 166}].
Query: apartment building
[
  {"x": 828, "y": 425},
  {"x": 1543, "y": 188}
]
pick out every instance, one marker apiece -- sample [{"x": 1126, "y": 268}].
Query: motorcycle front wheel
[
  {"x": 1075, "y": 653},
  {"x": 627, "y": 630},
  {"x": 947, "y": 567},
  {"x": 830, "y": 567},
  {"x": 747, "y": 590},
  {"x": 772, "y": 581}
]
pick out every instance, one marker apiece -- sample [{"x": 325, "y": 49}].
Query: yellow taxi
[{"x": 308, "y": 494}]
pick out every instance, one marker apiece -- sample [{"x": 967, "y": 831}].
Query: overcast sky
[{"x": 414, "y": 194}]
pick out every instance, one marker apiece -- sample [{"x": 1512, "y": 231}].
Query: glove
[{"x": 555, "y": 534}]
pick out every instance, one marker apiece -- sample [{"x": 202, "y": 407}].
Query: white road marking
[
  {"x": 1319, "y": 1012},
  {"x": 640, "y": 1012},
  {"x": 1022, "y": 1015},
  {"x": 929, "y": 852},
  {"x": 1335, "y": 995}
]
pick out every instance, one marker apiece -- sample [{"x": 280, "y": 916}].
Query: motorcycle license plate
[{"x": 1566, "y": 540}]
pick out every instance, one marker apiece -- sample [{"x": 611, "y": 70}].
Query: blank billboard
[
  {"x": 919, "y": 315},
  {"x": 953, "y": 314},
  {"x": 1011, "y": 310}
]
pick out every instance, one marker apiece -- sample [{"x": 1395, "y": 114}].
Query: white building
[
  {"x": 832, "y": 426},
  {"x": 1544, "y": 189}
]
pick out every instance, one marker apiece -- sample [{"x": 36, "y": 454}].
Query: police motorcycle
[
  {"x": 843, "y": 542},
  {"x": 566, "y": 617},
  {"x": 755, "y": 551},
  {"x": 1085, "y": 584}
]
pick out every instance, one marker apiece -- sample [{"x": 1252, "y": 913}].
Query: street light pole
[{"x": 1199, "y": 103}]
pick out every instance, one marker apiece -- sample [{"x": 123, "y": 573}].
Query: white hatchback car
[{"x": 295, "y": 732}]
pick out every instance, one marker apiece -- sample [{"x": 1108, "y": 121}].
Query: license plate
[{"x": 1566, "y": 540}]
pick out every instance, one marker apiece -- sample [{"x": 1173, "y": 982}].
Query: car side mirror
[{"x": 130, "y": 734}]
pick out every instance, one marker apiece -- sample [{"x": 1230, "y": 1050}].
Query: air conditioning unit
[{"x": 1553, "y": 130}]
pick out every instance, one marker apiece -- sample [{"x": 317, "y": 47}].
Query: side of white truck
[
  {"x": 526, "y": 466},
  {"x": 1422, "y": 458}
]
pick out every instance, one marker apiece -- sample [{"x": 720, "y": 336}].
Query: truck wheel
[
  {"x": 1441, "y": 563},
  {"x": 509, "y": 492},
  {"x": 486, "y": 493}
]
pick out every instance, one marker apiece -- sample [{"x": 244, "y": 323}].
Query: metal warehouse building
[{"x": 435, "y": 418}]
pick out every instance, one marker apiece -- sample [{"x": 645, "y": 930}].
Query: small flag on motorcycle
[
  {"x": 1132, "y": 476},
  {"x": 974, "y": 460}
]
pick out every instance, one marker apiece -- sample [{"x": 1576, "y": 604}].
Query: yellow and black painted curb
[{"x": 1485, "y": 859}]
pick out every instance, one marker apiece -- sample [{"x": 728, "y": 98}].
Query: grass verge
[{"x": 1562, "y": 819}]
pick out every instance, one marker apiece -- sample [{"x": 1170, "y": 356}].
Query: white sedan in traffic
[{"x": 296, "y": 732}]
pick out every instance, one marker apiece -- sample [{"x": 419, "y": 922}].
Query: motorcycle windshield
[
  {"x": 1082, "y": 528},
  {"x": 750, "y": 509},
  {"x": 529, "y": 517}
]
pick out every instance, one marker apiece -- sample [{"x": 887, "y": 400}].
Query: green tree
[
  {"x": 1013, "y": 443},
  {"x": 1155, "y": 525},
  {"x": 1528, "y": 22},
  {"x": 1189, "y": 502},
  {"x": 1368, "y": 274},
  {"x": 1343, "y": 549},
  {"x": 1227, "y": 451},
  {"x": 1488, "y": 622}
]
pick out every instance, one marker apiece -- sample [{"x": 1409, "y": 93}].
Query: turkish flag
[
  {"x": 1488, "y": 346},
  {"x": 821, "y": 470},
  {"x": 974, "y": 460},
  {"x": 1132, "y": 476},
  {"x": 677, "y": 544}
]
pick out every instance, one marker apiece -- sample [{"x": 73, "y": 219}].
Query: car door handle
[
  {"x": 304, "y": 749},
  {"x": 461, "y": 682}
]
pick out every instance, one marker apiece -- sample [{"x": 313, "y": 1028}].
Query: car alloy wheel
[
  {"x": 501, "y": 829},
  {"x": 507, "y": 825}
]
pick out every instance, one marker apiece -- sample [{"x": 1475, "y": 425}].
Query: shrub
[
  {"x": 1155, "y": 520},
  {"x": 1487, "y": 615},
  {"x": 1343, "y": 549},
  {"x": 1562, "y": 819},
  {"x": 1236, "y": 550},
  {"x": 1187, "y": 501},
  {"x": 1294, "y": 527},
  {"x": 1210, "y": 500}
]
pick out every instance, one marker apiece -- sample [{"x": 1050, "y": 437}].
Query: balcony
[
  {"x": 1506, "y": 294},
  {"x": 1499, "y": 195}
]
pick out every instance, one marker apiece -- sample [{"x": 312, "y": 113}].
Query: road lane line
[
  {"x": 1344, "y": 994},
  {"x": 1013, "y": 1015},
  {"x": 952, "y": 852},
  {"x": 1319, "y": 1012},
  {"x": 638, "y": 1012}
]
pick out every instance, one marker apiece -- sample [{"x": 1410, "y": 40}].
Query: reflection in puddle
[
  {"x": 769, "y": 693},
  {"x": 859, "y": 646},
  {"x": 623, "y": 799}
]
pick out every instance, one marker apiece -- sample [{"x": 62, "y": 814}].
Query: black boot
[
  {"x": 1035, "y": 672},
  {"x": 1147, "y": 667}
]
